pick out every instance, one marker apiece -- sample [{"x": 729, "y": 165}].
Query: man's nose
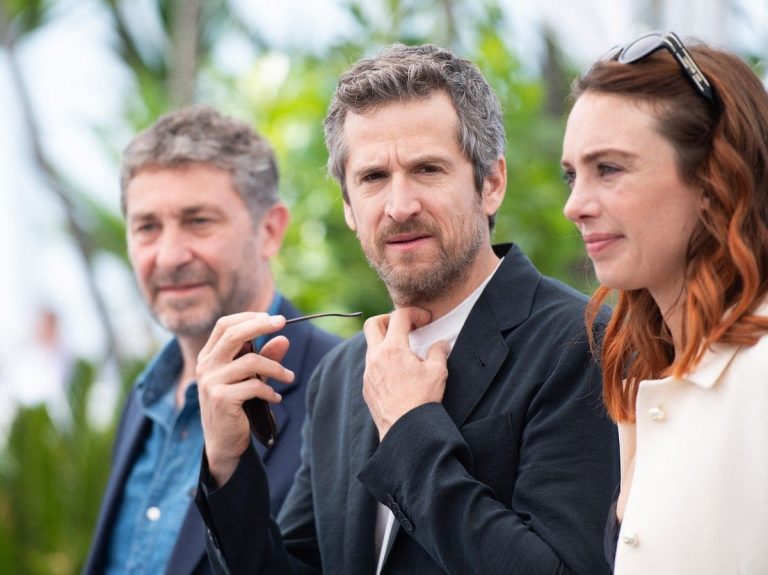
[
  {"x": 402, "y": 200},
  {"x": 172, "y": 249}
]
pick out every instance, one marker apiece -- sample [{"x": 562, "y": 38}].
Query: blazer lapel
[
  {"x": 189, "y": 550},
  {"x": 481, "y": 349},
  {"x": 474, "y": 361},
  {"x": 129, "y": 439}
]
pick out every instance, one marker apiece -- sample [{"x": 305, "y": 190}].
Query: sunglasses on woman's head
[{"x": 650, "y": 43}]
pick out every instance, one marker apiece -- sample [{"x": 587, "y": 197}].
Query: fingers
[
  {"x": 227, "y": 339},
  {"x": 396, "y": 326},
  {"x": 406, "y": 319},
  {"x": 240, "y": 392},
  {"x": 216, "y": 366},
  {"x": 395, "y": 380},
  {"x": 439, "y": 351},
  {"x": 221, "y": 325},
  {"x": 276, "y": 348},
  {"x": 375, "y": 328},
  {"x": 225, "y": 384},
  {"x": 230, "y": 332},
  {"x": 254, "y": 365}
]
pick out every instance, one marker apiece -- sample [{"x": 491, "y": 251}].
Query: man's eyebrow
[
  {"x": 208, "y": 209},
  {"x": 192, "y": 210},
  {"x": 368, "y": 168},
  {"x": 134, "y": 216},
  {"x": 430, "y": 158},
  {"x": 184, "y": 212}
]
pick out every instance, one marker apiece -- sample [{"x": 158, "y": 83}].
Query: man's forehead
[
  {"x": 179, "y": 190},
  {"x": 407, "y": 132}
]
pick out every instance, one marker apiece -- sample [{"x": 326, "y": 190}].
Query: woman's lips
[{"x": 598, "y": 242}]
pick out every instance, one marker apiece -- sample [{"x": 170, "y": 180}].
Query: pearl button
[
  {"x": 657, "y": 413},
  {"x": 630, "y": 539},
  {"x": 153, "y": 513}
]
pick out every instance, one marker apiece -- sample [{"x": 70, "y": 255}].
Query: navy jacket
[
  {"x": 512, "y": 473},
  {"x": 308, "y": 345}
]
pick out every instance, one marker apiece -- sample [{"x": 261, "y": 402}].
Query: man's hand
[
  {"x": 396, "y": 380},
  {"x": 225, "y": 383}
]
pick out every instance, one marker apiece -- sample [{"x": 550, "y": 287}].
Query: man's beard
[
  {"x": 411, "y": 282},
  {"x": 171, "y": 314}
]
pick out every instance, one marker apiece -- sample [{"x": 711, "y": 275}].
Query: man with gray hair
[
  {"x": 200, "y": 195},
  {"x": 461, "y": 433}
]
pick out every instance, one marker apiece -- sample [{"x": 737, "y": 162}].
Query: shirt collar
[
  {"x": 717, "y": 359},
  {"x": 712, "y": 365},
  {"x": 161, "y": 374}
]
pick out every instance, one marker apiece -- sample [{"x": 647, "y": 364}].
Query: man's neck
[
  {"x": 190, "y": 349},
  {"x": 484, "y": 265}
]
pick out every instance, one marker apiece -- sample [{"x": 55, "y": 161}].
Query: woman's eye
[
  {"x": 607, "y": 169},
  {"x": 569, "y": 177}
]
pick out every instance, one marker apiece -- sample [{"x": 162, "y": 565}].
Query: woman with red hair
[{"x": 666, "y": 157}]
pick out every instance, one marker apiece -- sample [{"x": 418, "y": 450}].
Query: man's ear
[
  {"x": 273, "y": 226},
  {"x": 495, "y": 186},
  {"x": 349, "y": 216}
]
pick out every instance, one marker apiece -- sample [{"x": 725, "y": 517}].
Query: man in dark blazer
[
  {"x": 199, "y": 192},
  {"x": 461, "y": 433}
]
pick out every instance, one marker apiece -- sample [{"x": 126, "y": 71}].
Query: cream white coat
[{"x": 698, "y": 503}]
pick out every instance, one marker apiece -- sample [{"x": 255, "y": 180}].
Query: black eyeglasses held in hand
[
  {"x": 260, "y": 416},
  {"x": 650, "y": 43}
]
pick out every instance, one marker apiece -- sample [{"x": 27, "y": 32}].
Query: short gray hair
[
  {"x": 402, "y": 73},
  {"x": 201, "y": 135}
]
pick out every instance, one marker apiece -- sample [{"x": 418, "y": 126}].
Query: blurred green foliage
[
  {"x": 51, "y": 478},
  {"x": 52, "y": 475}
]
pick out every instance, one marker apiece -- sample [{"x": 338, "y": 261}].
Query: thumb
[{"x": 439, "y": 351}]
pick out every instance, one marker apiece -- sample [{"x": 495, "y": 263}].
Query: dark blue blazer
[
  {"x": 512, "y": 473},
  {"x": 308, "y": 345}
]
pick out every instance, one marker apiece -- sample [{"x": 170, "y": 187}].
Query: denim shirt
[{"x": 161, "y": 486}]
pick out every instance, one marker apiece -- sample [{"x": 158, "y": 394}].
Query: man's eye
[
  {"x": 145, "y": 228},
  {"x": 372, "y": 177}
]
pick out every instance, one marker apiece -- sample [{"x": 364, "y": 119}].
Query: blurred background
[{"x": 78, "y": 78}]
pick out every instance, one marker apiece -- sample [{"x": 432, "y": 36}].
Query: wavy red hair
[{"x": 722, "y": 150}]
